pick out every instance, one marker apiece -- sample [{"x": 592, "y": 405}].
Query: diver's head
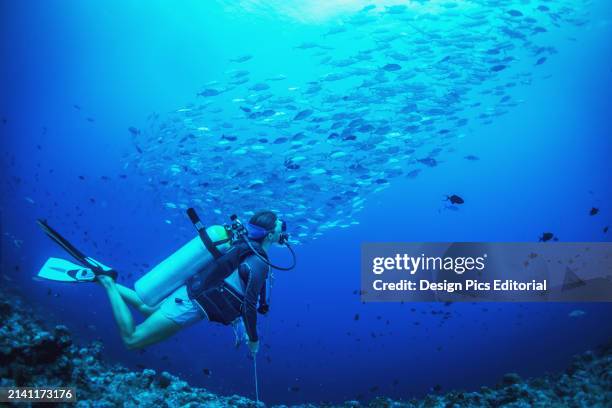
[{"x": 265, "y": 228}]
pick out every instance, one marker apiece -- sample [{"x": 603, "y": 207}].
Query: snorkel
[{"x": 252, "y": 231}]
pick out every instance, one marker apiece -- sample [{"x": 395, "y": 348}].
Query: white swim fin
[{"x": 60, "y": 270}]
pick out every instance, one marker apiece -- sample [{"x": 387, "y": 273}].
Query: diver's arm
[
  {"x": 263, "y": 301},
  {"x": 257, "y": 271}
]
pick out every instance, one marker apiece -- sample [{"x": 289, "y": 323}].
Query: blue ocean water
[{"x": 77, "y": 75}]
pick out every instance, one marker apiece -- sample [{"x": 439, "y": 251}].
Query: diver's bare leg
[
  {"x": 155, "y": 328},
  {"x": 122, "y": 314},
  {"x": 132, "y": 299}
]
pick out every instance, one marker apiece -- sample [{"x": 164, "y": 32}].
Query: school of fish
[{"x": 393, "y": 88}]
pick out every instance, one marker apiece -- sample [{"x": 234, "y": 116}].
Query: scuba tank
[
  {"x": 172, "y": 272},
  {"x": 198, "y": 254}
]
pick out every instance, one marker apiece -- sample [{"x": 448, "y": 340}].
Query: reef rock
[{"x": 32, "y": 355}]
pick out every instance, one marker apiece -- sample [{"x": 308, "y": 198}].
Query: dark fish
[
  {"x": 498, "y": 68},
  {"x": 356, "y": 316},
  {"x": 242, "y": 58},
  {"x": 239, "y": 81},
  {"x": 392, "y": 67},
  {"x": 279, "y": 77},
  {"x": 280, "y": 140},
  {"x": 209, "y": 92},
  {"x": 133, "y": 131},
  {"x": 515, "y": 13},
  {"x": 471, "y": 157},
  {"x": 605, "y": 230},
  {"x": 541, "y": 61},
  {"x": 294, "y": 388},
  {"x": 349, "y": 137},
  {"x": 383, "y": 130},
  {"x": 594, "y": 211},
  {"x": 230, "y": 138},
  {"x": 259, "y": 87},
  {"x": 245, "y": 109},
  {"x": 77, "y": 107},
  {"x": 241, "y": 73},
  {"x": 290, "y": 165},
  {"x": 428, "y": 161},
  {"x": 313, "y": 89},
  {"x": 400, "y": 8},
  {"x": 308, "y": 45},
  {"x": 335, "y": 30},
  {"x": 547, "y": 236},
  {"x": 89, "y": 119},
  {"x": 365, "y": 128},
  {"x": 455, "y": 199},
  {"x": 512, "y": 33},
  {"x": 303, "y": 114},
  {"x": 413, "y": 173},
  {"x": 207, "y": 371},
  {"x": 462, "y": 122}
]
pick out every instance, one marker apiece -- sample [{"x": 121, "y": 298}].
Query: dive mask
[{"x": 257, "y": 232}]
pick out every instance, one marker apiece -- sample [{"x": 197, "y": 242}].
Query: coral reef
[{"x": 31, "y": 355}]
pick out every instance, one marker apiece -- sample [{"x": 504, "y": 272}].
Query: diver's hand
[
  {"x": 263, "y": 309},
  {"x": 253, "y": 346}
]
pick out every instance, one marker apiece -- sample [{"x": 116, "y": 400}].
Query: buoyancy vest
[{"x": 219, "y": 300}]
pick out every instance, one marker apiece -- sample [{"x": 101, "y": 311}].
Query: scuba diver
[{"x": 218, "y": 276}]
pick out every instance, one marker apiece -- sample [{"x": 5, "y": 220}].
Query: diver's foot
[
  {"x": 100, "y": 269},
  {"x": 105, "y": 281}
]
